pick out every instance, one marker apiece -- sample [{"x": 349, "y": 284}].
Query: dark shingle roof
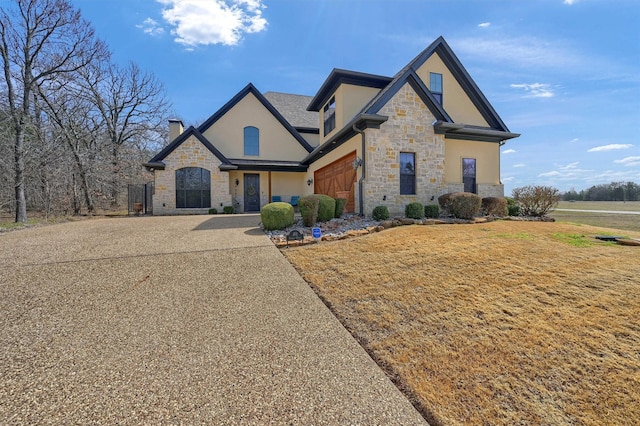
[{"x": 294, "y": 109}]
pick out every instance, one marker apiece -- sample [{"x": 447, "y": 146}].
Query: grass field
[
  {"x": 618, "y": 221},
  {"x": 497, "y": 323}
]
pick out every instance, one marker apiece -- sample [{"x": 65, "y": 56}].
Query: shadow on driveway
[{"x": 230, "y": 222}]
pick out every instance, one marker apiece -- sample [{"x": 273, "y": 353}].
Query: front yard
[{"x": 495, "y": 323}]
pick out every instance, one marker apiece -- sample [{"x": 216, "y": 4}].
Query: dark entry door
[{"x": 251, "y": 193}]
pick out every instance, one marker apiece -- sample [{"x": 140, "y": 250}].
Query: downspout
[{"x": 364, "y": 168}]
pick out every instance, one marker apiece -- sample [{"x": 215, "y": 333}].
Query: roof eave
[
  {"x": 461, "y": 131},
  {"x": 360, "y": 121}
]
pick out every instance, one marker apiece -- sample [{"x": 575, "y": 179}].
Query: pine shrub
[
  {"x": 414, "y": 210},
  {"x": 494, "y": 206},
  {"x": 326, "y": 207},
  {"x": 380, "y": 213},
  {"x": 432, "y": 211},
  {"x": 464, "y": 205},
  {"x": 340, "y": 205},
  {"x": 213, "y": 211},
  {"x": 309, "y": 209},
  {"x": 228, "y": 210},
  {"x": 277, "y": 215}
]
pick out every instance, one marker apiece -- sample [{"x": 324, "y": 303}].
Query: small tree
[{"x": 536, "y": 200}]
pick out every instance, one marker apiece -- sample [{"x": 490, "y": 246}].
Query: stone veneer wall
[
  {"x": 409, "y": 129},
  {"x": 191, "y": 153}
]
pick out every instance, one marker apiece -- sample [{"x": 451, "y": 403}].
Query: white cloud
[
  {"x": 484, "y": 24},
  {"x": 610, "y": 147},
  {"x": 199, "y": 22},
  {"x": 151, "y": 27},
  {"x": 574, "y": 140},
  {"x": 508, "y": 151},
  {"x": 535, "y": 90},
  {"x": 519, "y": 165},
  {"x": 570, "y": 2},
  {"x": 629, "y": 161},
  {"x": 569, "y": 166}
]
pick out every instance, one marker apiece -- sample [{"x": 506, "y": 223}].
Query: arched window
[
  {"x": 193, "y": 188},
  {"x": 251, "y": 141}
]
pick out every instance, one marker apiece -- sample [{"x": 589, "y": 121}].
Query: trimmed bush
[
  {"x": 380, "y": 213},
  {"x": 464, "y": 205},
  {"x": 228, "y": 210},
  {"x": 536, "y": 200},
  {"x": 443, "y": 200},
  {"x": 326, "y": 208},
  {"x": 309, "y": 209},
  {"x": 213, "y": 211},
  {"x": 340, "y": 205},
  {"x": 414, "y": 210},
  {"x": 277, "y": 215},
  {"x": 432, "y": 211},
  {"x": 494, "y": 206},
  {"x": 513, "y": 210}
]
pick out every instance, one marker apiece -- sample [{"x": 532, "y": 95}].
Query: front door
[{"x": 251, "y": 193}]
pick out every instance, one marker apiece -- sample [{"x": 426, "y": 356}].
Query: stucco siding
[
  {"x": 454, "y": 99},
  {"x": 276, "y": 143}
]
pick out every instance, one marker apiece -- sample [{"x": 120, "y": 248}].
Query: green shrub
[
  {"x": 494, "y": 206},
  {"x": 228, "y": 210},
  {"x": 464, "y": 205},
  {"x": 513, "y": 210},
  {"x": 443, "y": 200},
  {"x": 536, "y": 200},
  {"x": 213, "y": 211},
  {"x": 380, "y": 213},
  {"x": 340, "y": 205},
  {"x": 326, "y": 208},
  {"x": 309, "y": 209},
  {"x": 277, "y": 215},
  {"x": 414, "y": 210},
  {"x": 432, "y": 211}
]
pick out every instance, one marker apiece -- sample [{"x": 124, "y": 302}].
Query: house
[{"x": 376, "y": 140}]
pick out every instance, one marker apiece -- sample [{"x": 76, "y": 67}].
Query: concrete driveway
[{"x": 171, "y": 320}]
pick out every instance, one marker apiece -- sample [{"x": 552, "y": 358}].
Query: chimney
[{"x": 175, "y": 128}]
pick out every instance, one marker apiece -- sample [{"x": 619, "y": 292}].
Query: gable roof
[
  {"x": 340, "y": 76},
  {"x": 157, "y": 161},
  {"x": 294, "y": 109},
  {"x": 409, "y": 74},
  {"x": 251, "y": 89}
]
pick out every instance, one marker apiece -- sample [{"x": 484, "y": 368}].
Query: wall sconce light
[
  {"x": 237, "y": 182},
  {"x": 357, "y": 163},
  {"x": 309, "y": 182}
]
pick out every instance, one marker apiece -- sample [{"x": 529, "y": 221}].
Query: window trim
[
  {"x": 249, "y": 138},
  {"x": 329, "y": 115},
  {"x": 436, "y": 93},
  {"x": 403, "y": 183}
]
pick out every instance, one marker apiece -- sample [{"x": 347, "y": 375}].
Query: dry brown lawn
[{"x": 496, "y": 323}]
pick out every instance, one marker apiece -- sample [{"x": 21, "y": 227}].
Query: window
[
  {"x": 407, "y": 173},
  {"x": 193, "y": 188},
  {"x": 469, "y": 174},
  {"x": 251, "y": 141},
  {"x": 435, "y": 86},
  {"x": 330, "y": 116}
]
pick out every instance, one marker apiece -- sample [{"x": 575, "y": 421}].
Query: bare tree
[
  {"x": 132, "y": 109},
  {"x": 39, "y": 40}
]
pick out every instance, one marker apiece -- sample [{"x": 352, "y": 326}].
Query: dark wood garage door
[{"x": 337, "y": 176}]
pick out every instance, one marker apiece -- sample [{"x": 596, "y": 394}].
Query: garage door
[{"x": 337, "y": 176}]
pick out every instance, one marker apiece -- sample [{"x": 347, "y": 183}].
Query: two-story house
[{"x": 376, "y": 140}]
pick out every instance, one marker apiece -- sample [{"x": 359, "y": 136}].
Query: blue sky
[{"x": 563, "y": 73}]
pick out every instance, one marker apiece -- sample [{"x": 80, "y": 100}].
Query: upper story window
[
  {"x": 435, "y": 85},
  {"x": 407, "y": 173},
  {"x": 330, "y": 115},
  {"x": 251, "y": 141}
]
